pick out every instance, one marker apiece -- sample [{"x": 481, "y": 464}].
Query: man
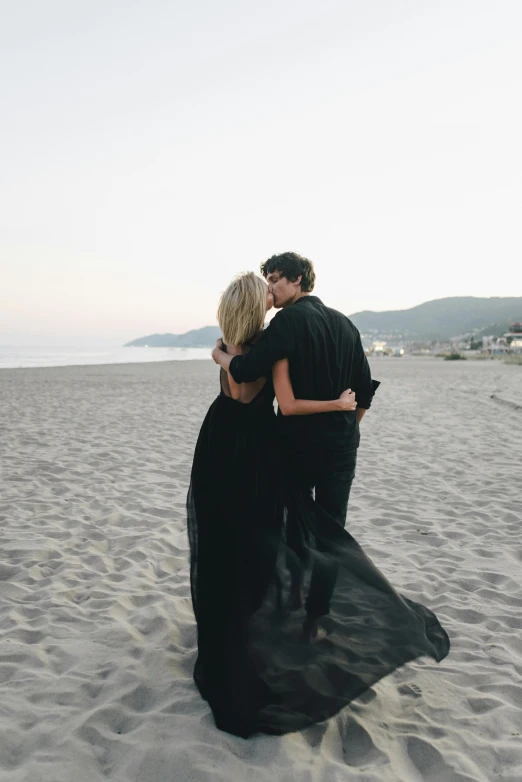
[{"x": 325, "y": 357}]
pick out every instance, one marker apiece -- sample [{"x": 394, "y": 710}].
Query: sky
[{"x": 152, "y": 150}]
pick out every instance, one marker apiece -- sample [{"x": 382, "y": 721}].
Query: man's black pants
[{"x": 332, "y": 482}]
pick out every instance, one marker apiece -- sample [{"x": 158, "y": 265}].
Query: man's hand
[
  {"x": 220, "y": 357},
  {"x": 218, "y": 350},
  {"x": 348, "y": 399}
]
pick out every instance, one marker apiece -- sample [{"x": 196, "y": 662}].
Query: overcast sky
[{"x": 151, "y": 150}]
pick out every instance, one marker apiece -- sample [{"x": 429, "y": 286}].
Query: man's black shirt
[{"x": 326, "y": 357}]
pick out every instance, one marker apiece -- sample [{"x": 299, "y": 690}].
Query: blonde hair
[{"x": 242, "y": 309}]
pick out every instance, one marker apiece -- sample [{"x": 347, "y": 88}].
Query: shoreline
[
  {"x": 115, "y": 364},
  {"x": 374, "y": 360}
]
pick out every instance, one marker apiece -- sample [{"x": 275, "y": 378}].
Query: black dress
[{"x": 253, "y": 667}]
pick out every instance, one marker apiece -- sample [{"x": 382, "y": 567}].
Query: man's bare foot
[{"x": 312, "y": 633}]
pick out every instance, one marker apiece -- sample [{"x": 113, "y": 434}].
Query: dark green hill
[{"x": 442, "y": 318}]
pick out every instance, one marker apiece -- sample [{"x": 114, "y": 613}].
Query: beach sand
[{"x": 97, "y": 635}]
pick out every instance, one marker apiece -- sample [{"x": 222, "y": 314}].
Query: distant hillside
[
  {"x": 443, "y": 318},
  {"x": 439, "y": 319},
  {"x": 197, "y": 338}
]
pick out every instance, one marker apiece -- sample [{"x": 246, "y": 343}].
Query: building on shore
[
  {"x": 510, "y": 342},
  {"x": 378, "y": 348}
]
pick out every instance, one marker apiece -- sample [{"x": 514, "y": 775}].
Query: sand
[{"x": 97, "y": 635}]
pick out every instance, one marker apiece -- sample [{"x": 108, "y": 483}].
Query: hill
[
  {"x": 197, "y": 338},
  {"x": 442, "y": 318},
  {"x": 439, "y": 319}
]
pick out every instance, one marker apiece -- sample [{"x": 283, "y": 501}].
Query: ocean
[{"x": 38, "y": 356}]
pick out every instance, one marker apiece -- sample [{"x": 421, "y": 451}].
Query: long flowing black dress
[{"x": 253, "y": 667}]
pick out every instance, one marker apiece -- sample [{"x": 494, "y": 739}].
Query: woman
[{"x": 252, "y": 666}]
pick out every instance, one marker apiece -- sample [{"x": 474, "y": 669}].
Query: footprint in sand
[{"x": 411, "y": 690}]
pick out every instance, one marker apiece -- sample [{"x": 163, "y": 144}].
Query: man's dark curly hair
[{"x": 291, "y": 265}]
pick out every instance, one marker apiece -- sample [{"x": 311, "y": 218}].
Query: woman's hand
[{"x": 348, "y": 399}]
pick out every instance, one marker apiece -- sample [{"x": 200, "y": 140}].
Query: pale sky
[{"x": 152, "y": 150}]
